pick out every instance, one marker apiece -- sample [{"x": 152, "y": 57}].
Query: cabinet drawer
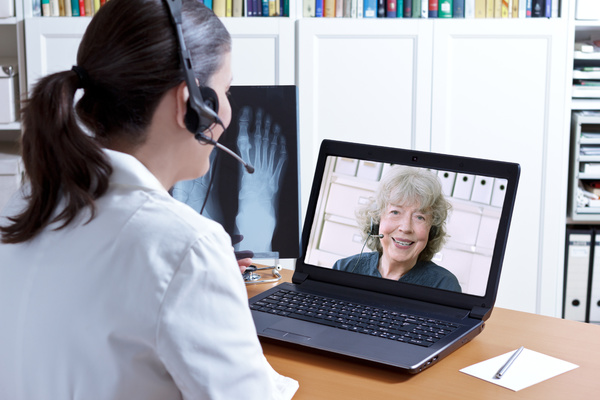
[{"x": 343, "y": 200}]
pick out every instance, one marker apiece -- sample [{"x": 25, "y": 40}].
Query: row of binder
[
  {"x": 581, "y": 301},
  {"x": 479, "y": 189}
]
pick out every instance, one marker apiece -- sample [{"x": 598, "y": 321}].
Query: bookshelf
[
  {"x": 585, "y": 167},
  {"x": 585, "y": 117}
]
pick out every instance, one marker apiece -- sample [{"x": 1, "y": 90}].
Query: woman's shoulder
[{"x": 444, "y": 278}]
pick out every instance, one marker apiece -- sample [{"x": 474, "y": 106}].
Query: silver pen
[{"x": 506, "y": 366}]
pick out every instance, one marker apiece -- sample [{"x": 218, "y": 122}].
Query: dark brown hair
[{"x": 127, "y": 60}]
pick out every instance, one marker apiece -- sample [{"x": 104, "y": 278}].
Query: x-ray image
[{"x": 261, "y": 210}]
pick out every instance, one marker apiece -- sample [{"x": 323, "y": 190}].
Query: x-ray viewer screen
[
  {"x": 421, "y": 226},
  {"x": 262, "y": 207}
]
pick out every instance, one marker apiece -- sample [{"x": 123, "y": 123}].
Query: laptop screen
[{"x": 423, "y": 219}]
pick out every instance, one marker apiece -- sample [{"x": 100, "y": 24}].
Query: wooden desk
[{"x": 325, "y": 376}]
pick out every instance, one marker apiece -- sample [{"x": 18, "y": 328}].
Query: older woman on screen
[{"x": 405, "y": 226}]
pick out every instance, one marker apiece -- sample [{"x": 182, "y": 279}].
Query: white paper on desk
[{"x": 529, "y": 368}]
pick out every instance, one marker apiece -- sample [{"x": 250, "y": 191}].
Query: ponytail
[{"x": 62, "y": 162}]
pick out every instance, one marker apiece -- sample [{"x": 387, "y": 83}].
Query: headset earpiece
[
  {"x": 374, "y": 229},
  {"x": 433, "y": 231},
  {"x": 203, "y": 104},
  {"x": 199, "y": 122}
]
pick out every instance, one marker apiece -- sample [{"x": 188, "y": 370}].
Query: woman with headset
[
  {"x": 110, "y": 288},
  {"x": 405, "y": 226}
]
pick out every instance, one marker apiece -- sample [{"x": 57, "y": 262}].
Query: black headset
[
  {"x": 203, "y": 103},
  {"x": 374, "y": 229}
]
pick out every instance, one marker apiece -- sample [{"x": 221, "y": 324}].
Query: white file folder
[
  {"x": 482, "y": 189},
  {"x": 498, "y": 192},
  {"x": 463, "y": 187},
  {"x": 595, "y": 278},
  {"x": 447, "y": 179},
  {"x": 346, "y": 166},
  {"x": 579, "y": 246},
  {"x": 369, "y": 170}
]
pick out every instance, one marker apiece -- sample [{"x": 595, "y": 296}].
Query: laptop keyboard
[{"x": 355, "y": 317}]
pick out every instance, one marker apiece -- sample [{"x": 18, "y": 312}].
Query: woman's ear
[{"x": 182, "y": 95}]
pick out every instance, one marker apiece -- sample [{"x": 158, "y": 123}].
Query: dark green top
[{"x": 425, "y": 273}]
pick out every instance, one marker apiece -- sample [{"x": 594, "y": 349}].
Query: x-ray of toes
[{"x": 262, "y": 207}]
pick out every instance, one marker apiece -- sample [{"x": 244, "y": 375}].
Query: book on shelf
[
  {"x": 318, "y": 8},
  {"x": 370, "y": 8},
  {"x": 308, "y": 9},
  {"x": 432, "y": 11},
  {"x": 445, "y": 8},
  {"x": 339, "y": 8},
  {"x": 54, "y": 8},
  {"x": 220, "y": 7},
  {"x": 424, "y": 9},
  {"x": 528, "y": 5},
  {"x": 328, "y": 10},
  {"x": 407, "y": 13},
  {"x": 347, "y": 9},
  {"x": 505, "y": 8},
  {"x": 538, "y": 8},
  {"x": 458, "y": 9},
  {"x": 89, "y": 10},
  {"x": 489, "y": 8},
  {"x": 416, "y": 8},
  {"x": 497, "y": 8},
  {"x": 238, "y": 8},
  {"x": 469, "y": 8},
  {"x": 381, "y": 8},
  {"x": 392, "y": 11},
  {"x": 75, "y": 8},
  {"x": 480, "y": 6}
]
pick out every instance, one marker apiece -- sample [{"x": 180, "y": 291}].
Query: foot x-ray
[{"x": 260, "y": 211}]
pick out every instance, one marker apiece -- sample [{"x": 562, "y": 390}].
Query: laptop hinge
[
  {"x": 299, "y": 277},
  {"x": 481, "y": 313}
]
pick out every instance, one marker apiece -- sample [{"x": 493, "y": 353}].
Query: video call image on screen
[
  {"x": 471, "y": 224},
  {"x": 263, "y": 207}
]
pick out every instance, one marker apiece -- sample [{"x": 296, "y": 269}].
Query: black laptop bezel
[{"x": 478, "y": 306}]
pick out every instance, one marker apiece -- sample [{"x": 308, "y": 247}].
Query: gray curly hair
[{"x": 408, "y": 185}]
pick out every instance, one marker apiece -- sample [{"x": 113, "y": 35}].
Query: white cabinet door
[
  {"x": 262, "y": 54},
  {"x": 51, "y": 45},
  {"x": 499, "y": 92},
  {"x": 362, "y": 80}
]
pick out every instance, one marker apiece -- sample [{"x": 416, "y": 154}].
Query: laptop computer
[{"x": 335, "y": 305}]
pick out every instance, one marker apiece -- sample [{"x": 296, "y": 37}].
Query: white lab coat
[{"x": 146, "y": 301}]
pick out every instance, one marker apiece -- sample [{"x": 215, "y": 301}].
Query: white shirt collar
[{"x": 128, "y": 170}]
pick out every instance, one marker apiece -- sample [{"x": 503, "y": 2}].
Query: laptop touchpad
[{"x": 300, "y": 330}]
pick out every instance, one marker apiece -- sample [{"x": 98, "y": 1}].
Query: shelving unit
[
  {"x": 12, "y": 46},
  {"x": 585, "y": 166},
  {"x": 585, "y": 118}
]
